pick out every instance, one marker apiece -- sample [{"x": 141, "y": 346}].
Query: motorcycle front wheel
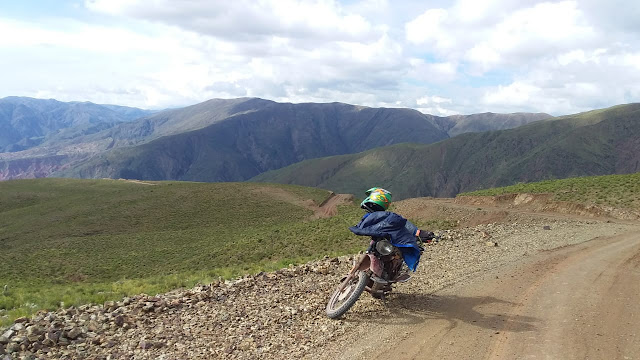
[{"x": 341, "y": 301}]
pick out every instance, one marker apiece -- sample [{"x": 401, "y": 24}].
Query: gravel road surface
[{"x": 575, "y": 302}]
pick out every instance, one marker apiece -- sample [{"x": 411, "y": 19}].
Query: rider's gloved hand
[{"x": 426, "y": 236}]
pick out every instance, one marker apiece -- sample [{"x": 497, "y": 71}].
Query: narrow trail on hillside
[
  {"x": 328, "y": 208},
  {"x": 576, "y": 302},
  {"x": 140, "y": 182}
]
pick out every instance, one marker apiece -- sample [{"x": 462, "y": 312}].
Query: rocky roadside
[{"x": 278, "y": 315}]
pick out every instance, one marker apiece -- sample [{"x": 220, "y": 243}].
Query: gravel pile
[{"x": 278, "y": 315}]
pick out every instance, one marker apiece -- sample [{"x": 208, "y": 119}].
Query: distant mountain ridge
[
  {"x": 265, "y": 136},
  {"x": 27, "y": 122},
  {"x": 248, "y": 143},
  {"x": 598, "y": 142},
  {"x": 235, "y": 139}
]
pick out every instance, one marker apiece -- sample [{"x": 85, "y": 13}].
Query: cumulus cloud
[
  {"x": 432, "y": 72},
  {"x": 247, "y": 19},
  {"x": 282, "y": 50},
  {"x": 79, "y": 61},
  {"x": 430, "y": 28},
  {"x": 438, "y": 56},
  {"x": 560, "y": 56},
  {"x": 509, "y": 38},
  {"x": 434, "y": 105}
]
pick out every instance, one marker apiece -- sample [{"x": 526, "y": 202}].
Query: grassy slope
[
  {"x": 593, "y": 143},
  {"x": 620, "y": 191},
  {"x": 78, "y": 241}
]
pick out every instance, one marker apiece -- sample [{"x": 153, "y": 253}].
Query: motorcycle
[{"x": 374, "y": 271}]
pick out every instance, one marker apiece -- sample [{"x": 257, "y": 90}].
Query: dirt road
[{"x": 577, "y": 302}]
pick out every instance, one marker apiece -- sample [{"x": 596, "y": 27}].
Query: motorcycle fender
[
  {"x": 376, "y": 265},
  {"x": 369, "y": 261},
  {"x": 362, "y": 264}
]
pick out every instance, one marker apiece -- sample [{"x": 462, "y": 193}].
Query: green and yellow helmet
[{"x": 378, "y": 199}]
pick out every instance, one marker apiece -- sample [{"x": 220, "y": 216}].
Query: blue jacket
[{"x": 400, "y": 231}]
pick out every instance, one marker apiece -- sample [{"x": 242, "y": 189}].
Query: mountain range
[
  {"x": 598, "y": 142},
  {"x": 26, "y": 122},
  {"x": 226, "y": 140}
]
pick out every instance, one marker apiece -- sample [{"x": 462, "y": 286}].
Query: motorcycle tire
[{"x": 355, "y": 290}]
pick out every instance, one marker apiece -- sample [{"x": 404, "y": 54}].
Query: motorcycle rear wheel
[{"x": 341, "y": 301}]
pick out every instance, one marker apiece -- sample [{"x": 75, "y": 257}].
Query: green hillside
[
  {"x": 620, "y": 191},
  {"x": 599, "y": 142},
  {"x": 78, "y": 241}
]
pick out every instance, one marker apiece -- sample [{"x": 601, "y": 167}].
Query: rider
[{"x": 379, "y": 222}]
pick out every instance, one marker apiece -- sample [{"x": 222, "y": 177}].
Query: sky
[{"x": 439, "y": 57}]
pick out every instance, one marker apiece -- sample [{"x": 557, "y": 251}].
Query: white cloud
[
  {"x": 75, "y": 36},
  {"x": 483, "y": 57},
  {"x": 494, "y": 55},
  {"x": 429, "y": 28},
  {"x": 247, "y": 19},
  {"x": 434, "y": 105},
  {"x": 157, "y": 69},
  {"x": 630, "y": 60},
  {"x": 464, "y": 33},
  {"x": 432, "y": 72},
  {"x": 427, "y": 100},
  {"x": 539, "y": 30},
  {"x": 474, "y": 12},
  {"x": 516, "y": 93},
  {"x": 285, "y": 50},
  {"x": 573, "y": 82},
  {"x": 547, "y": 56}
]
